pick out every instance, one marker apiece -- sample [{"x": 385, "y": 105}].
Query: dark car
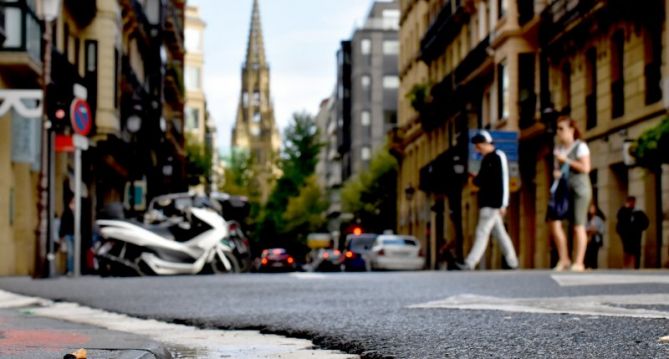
[
  {"x": 276, "y": 260},
  {"x": 328, "y": 260},
  {"x": 355, "y": 251}
]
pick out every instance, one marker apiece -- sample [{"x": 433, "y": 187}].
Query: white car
[{"x": 396, "y": 252}]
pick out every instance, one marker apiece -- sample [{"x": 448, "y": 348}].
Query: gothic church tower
[{"x": 255, "y": 130}]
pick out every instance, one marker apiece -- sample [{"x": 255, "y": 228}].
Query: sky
[{"x": 301, "y": 41}]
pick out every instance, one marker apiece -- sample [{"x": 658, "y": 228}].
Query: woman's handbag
[{"x": 558, "y": 204}]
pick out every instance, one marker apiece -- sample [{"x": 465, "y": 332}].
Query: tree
[
  {"x": 297, "y": 162},
  {"x": 305, "y": 212},
  {"x": 240, "y": 176},
  {"x": 199, "y": 158},
  {"x": 371, "y": 195},
  {"x": 651, "y": 144}
]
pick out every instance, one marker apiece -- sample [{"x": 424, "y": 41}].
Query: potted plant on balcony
[{"x": 421, "y": 99}]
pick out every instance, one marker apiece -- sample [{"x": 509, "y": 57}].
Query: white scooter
[{"x": 174, "y": 247}]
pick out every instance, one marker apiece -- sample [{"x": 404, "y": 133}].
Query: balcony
[
  {"x": 443, "y": 30},
  {"x": 474, "y": 59},
  {"x": 174, "y": 83},
  {"x": 21, "y": 50},
  {"x": 174, "y": 31},
  {"x": 566, "y": 16}
]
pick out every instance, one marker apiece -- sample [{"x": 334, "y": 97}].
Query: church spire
[{"x": 255, "y": 53}]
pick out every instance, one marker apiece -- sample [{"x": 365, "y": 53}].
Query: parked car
[
  {"x": 276, "y": 260},
  {"x": 356, "y": 250},
  {"x": 327, "y": 260},
  {"x": 396, "y": 252}
]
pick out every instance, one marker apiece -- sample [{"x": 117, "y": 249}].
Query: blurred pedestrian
[
  {"x": 595, "y": 230},
  {"x": 572, "y": 165},
  {"x": 493, "y": 198},
  {"x": 631, "y": 224},
  {"x": 66, "y": 234}
]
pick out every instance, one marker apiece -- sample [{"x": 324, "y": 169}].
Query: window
[
  {"x": 390, "y": 117},
  {"x": 245, "y": 99},
  {"x": 256, "y": 98},
  {"x": 117, "y": 70},
  {"x": 77, "y": 49},
  {"x": 193, "y": 40},
  {"x": 391, "y": 47},
  {"x": 365, "y": 46},
  {"x": 591, "y": 88},
  {"x": 653, "y": 64},
  {"x": 501, "y": 8},
  {"x": 617, "y": 74},
  {"x": 257, "y": 118},
  {"x": 193, "y": 78},
  {"x": 365, "y": 81},
  {"x": 255, "y": 131},
  {"x": 566, "y": 87},
  {"x": 503, "y": 90},
  {"x": 391, "y": 82},
  {"x": 91, "y": 56},
  {"x": 391, "y": 19},
  {"x": 365, "y": 118},
  {"x": 192, "y": 118},
  {"x": 365, "y": 153}
]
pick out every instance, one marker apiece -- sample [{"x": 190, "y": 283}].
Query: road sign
[
  {"x": 507, "y": 142},
  {"x": 80, "y": 116}
]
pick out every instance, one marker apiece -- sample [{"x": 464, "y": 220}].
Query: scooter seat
[{"x": 159, "y": 230}]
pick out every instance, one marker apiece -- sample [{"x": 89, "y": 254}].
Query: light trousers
[{"x": 490, "y": 221}]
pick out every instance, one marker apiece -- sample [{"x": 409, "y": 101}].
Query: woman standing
[
  {"x": 595, "y": 230},
  {"x": 572, "y": 160}
]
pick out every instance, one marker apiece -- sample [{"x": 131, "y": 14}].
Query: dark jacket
[
  {"x": 493, "y": 181},
  {"x": 631, "y": 223},
  {"x": 66, "y": 223}
]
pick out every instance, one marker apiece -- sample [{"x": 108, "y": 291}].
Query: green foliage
[
  {"x": 371, "y": 195},
  {"x": 199, "y": 158},
  {"x": 420, "y": 97},
  {"x": 240, "y": 176},
  {"x": 305, "y": 213},
  {"x": 297, "y": 162},
  {"x": 652, "y": 144}
]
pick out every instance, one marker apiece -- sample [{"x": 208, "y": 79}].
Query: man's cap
[{"x": 482, "y": 136}]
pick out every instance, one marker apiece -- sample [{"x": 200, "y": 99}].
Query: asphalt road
[{"x": 373, "y": 314}]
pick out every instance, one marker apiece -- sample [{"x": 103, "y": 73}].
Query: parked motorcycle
[{"x": 189, "y": 244}]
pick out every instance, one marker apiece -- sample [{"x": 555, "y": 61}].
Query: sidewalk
[
  {"x": 26, "y": 336},
  {"x": 38, "y": 328}
]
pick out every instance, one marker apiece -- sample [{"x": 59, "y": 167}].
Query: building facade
[
  {"x": 195, "y": 112},
  {"x": 371, "y": 71},
  {"x": 511, "y": 66},
  {"x": 124, "y": 58},
  {"x": 255, "y": 129}
]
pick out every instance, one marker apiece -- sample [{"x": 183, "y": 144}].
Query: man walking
[
  {"x": 631, "y": 224},
  {"x": 493, "y": 197}
]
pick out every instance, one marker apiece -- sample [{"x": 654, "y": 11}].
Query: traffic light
[{"x": 58, "y": 109}]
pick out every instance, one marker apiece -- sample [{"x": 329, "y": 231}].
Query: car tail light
[
  {"x": 349, "y": 254},
  {"x": 382, "y": 253},
  {"x": 291, "y": 260},
  {"x": 337, "y": 252},
  {"x": 264, "y": 261},
  {"x": 326, "y": 255}
]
